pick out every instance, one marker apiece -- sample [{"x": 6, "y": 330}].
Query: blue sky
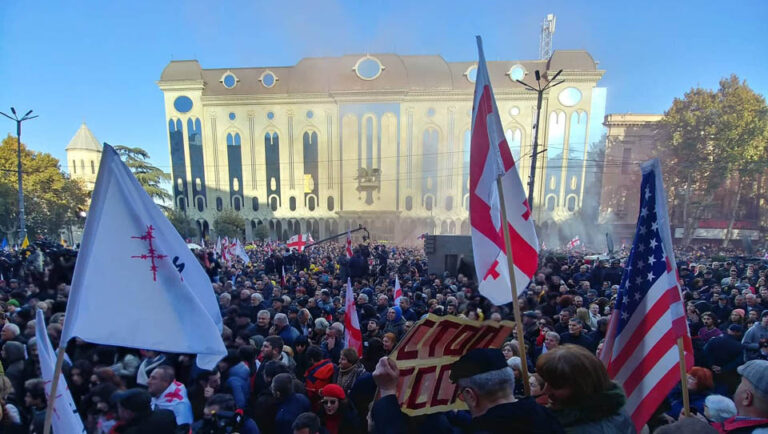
[{"x": 98, "y": 61}]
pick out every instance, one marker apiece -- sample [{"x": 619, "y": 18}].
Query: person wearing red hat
[{"x": 337, "y": 414}]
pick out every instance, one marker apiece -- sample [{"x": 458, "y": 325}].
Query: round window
[
  {"x": 471, "y": 73},
  {"x": 569, "y": 96},
  {"x": 229, "y": 81},
  {"x": 310, "y": 115},
  {"x": 430, "y": 112},
  {"x": 268, "y": 79},
  {"x": 514, "y": 111},
  {"x": 182, "y": 104},
  {"x": 368, "y": 68},
  {"x": 516, "y": 72},
  {"x": 232, "y": 117},
  {"x": 270, "y": 115}
]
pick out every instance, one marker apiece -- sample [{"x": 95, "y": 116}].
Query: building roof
[
  {"x": 84, "y": 139},
  {"x": 631, "y": 118},
  {"x": 326, "y": 75}
]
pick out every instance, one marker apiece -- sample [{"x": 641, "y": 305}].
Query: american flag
[{"x": 641, "y": 351}]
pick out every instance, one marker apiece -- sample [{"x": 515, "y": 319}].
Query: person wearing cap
[
  {"x": 136, "y": 416},
  {"x": 722, "y": 310},
  {"x": 753, "y": 336},
  {"x": 484, "y": 383},
  {"x": 723, "y": 354},
  {"x": 337, "y": 416}
]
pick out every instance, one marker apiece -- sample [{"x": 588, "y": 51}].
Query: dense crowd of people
[{"x": 288, "y": 371}]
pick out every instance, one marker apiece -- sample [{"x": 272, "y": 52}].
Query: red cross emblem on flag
[
  {"x": 492, "y": 272},
  {"x": 297, "y": 242}
]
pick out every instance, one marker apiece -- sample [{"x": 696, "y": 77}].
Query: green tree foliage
[
  {"x": 149, "y": 176},
  {"x": 261, "y": 232},
  {"x": 710, "y": 136},
  {"x": 185, "y": 226},
  {"x": 51, "y": 199},
  {"x": 229, "y": 224}
]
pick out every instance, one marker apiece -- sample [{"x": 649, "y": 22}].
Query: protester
[{"x": 581, "y": 395}]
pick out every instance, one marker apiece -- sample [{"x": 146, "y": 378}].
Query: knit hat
[
  {"x": 332, "y": 391},
  {"x": 14, "y": 302},
  {"x": 740, "y": 312}
]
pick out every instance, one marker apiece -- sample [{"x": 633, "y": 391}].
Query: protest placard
[{"x": 425, "y": 355}]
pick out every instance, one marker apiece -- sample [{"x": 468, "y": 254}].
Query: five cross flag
[
  {"x": 491, "y": 158},
  {"x": 136, "y": 283}
]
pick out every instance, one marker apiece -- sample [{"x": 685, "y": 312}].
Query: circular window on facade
[
  {"x": 471, "y": 73},
  {"x": 229, "y": 80},
  {"x": 268, "y": 79},
  {"x": 430, "y": 112},
  {"x": 569, "y": 96},
  {"x": 310, "y": 115},
  {"x": 514, "y": 111},
  {"x": 270, "y": 115},
  {"x": 182, "y": 104},
  {"x": 368, "y": 68},
  {"x": 516, "y": 72},
  {"x": 232, "y": 116}
]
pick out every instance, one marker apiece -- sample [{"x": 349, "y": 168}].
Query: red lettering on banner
[
  {"x": 489, "y": 337},
  {"x": 440, "y": 336},
  {"x": 461, "y": 341},
  {"x": 409, "y": 350},
  {"x": 402, "y": 379},
  {"x": 444, "y": 391},
  {"x": 418, "y": 399}
]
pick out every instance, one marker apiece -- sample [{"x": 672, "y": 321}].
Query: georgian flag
[
  {"x": 349, "y": 245},
  {"x": 353, "y": 337},
  {"x": 136, "y": 283},
  {"x": 490, "y": 158}
]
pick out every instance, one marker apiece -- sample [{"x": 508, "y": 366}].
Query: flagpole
[
  {"x": 54, "y": 384},
  {"x": 683, "y": 378},
  {"x": 513, "y": 282}
]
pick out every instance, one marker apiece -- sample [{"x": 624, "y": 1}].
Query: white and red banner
[
  {"x": 349, "y": 245},
  {"x": 298, "y": 242},
  {"x": 574, "y": 242},
  {"x": 398, "y": 291},
  {"x": 490, "y": 159},
  {"x": 353, "y": 337}
]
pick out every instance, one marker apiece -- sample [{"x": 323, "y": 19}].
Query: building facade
[{"x": 375, "y": 140}]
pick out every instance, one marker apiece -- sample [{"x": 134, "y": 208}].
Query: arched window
[
  {"x": 233, "y": 139},
  {"x": 236, "y": 203},
  {"x": 74, "y": 167},
  {"x": 330, "y": 203},
  {"x": 219, "y": 204},
  {"x": 273, "y": 203},
  {"x": 200, "y": 204},
  {"x": 428, "y": 203},
  {"x": 311, "y": 203},
  {"x": 408, "y": 203},
  {"x": 551, "y": 202},
  {"x": 449, "y": 203},
  {"x": 255, "y": 202},
  {"x": 82, "y": 166},
  {"x": 292, "y": 203},
  {"x": 93, "y": 168},
  {"x": 570, "y": 203}
]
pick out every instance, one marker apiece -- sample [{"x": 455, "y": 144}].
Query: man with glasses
[{"x": 486, "y": 385}]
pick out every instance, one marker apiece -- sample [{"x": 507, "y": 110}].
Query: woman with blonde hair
[
  {"x": 9, "y": 413},
  {"x": 582, "y": 313},
  {"x": 580, "y": 394}
]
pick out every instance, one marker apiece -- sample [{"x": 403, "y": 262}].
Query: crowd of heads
[{"x": 288, "y": 368}]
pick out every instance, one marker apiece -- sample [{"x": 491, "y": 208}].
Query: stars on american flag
[{"x": 645, "y": 264}]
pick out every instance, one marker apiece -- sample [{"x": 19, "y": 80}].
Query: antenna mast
[{"x": 545, "y": 37}]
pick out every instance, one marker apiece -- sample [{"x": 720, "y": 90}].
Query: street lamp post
[
  {"x": 15, "y": 118},
  {"x": 540, "y": 94}
]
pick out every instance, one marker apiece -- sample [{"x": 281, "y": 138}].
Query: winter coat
[
  {"x": 287, "y": 412},
  {"x": 600, "y": 414}
]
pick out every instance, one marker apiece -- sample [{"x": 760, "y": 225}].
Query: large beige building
[{"x": 379, "y": 140}]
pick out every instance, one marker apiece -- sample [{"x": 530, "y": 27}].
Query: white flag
[
  {"x": 240, "y": 251},
  {"x": 65, "y": 418},
  {"x": 136, "y": 284}
]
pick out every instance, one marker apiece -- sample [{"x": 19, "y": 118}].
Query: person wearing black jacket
[
  {"x": 723, "y": 354},
  {"x": 485, "y": 384}
]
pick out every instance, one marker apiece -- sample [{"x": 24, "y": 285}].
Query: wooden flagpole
[
  {"x": 683, "y": 378},
  {"x": 513, "y": 282},
  {"x": 54, "y": 385}
]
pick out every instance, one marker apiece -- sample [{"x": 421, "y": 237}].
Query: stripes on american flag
[{"x": 641, "y": 352}]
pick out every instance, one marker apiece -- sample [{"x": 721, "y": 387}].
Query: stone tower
[{"x": 83, "y": 156}]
